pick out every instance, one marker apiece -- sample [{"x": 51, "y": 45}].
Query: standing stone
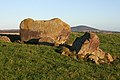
[{"x": 51, "y": 31}]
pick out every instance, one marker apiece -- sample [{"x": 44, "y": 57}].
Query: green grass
[{"x": 40, "y": 62}]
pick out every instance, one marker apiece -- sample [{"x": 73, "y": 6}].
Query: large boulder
[
  {"x": 88, "y": 43},
  {"x": 52, "y": 31},
  {"x": 4, "y": 39},
  {"x": 87, "y": 47}
]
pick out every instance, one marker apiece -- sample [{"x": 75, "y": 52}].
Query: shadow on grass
[
  {"x": 36, "y": 41},
  {"x": 76, "y": 46}
]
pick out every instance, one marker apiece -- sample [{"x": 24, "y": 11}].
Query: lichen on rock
[
  {"x": 88, "y": 45},
  {"x": 52, "y": 31}
]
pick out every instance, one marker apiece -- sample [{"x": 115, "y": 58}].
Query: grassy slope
[{"x": 34, "y": 62}]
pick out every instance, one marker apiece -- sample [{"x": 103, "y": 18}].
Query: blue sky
[{"x": 101, "y": 14}]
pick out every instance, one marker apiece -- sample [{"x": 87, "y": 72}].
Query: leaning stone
[{"x": 88, "y": 44}]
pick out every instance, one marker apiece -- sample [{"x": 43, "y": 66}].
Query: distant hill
[{"x": 83, "y": 28}]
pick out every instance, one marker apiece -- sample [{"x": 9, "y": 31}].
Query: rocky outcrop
[
  {"x": 4, "y": 39},
  {"x": 53, "y": 31},
  {"x": 87, "y": 46}
]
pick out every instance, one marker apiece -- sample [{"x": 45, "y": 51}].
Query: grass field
[{"x": 40, "y": 62}]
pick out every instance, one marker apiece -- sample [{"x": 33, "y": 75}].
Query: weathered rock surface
[
  {"x": 53, "y": 31},
  {"x": 4, "y": 39},
  {"x": 87, "y": 46}
]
